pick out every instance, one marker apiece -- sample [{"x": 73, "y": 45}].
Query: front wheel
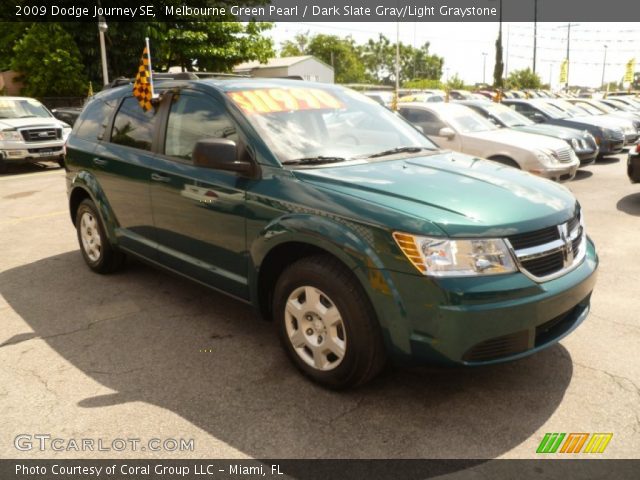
[
  {"x": 326, "y": 323},
  {"x": 96, "y": 249}
]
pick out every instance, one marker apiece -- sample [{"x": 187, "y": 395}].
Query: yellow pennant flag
[
  {"x": 628, "y": 74},
  {"x": 564, "y": 71},
  {"x": 143, "y": 85}
]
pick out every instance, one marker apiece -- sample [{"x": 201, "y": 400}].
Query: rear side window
[
  {"x": 92, "y": 125},
  {"x": 133, "y": 126},
  {"x": 195, "y": 117}
]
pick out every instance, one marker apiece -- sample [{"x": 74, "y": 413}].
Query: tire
[
  {"x": 334, "y": 337},
  {"x": 505, "y": 161},
  {"x": 61, "y": 162},
  {"x": 96, "y": 250},
  {"x": 3, "y": 166}
]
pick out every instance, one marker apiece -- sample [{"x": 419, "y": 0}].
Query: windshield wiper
[
  {"x": 319, "y": 160},
  {"x": 393, "y": 151},
  {"x": 27, "y": 116}
]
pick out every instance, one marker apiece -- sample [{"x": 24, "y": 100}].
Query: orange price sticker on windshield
[{"x": 271, "y": 100}]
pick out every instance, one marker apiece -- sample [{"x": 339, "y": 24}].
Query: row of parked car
[{"x": 549, "y": 137}]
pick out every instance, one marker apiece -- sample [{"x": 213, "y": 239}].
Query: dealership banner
[
  {"x": 322, "y": 10},
  {"x": 158, "y": 469}
]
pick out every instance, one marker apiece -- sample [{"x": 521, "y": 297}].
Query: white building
[{"x": 306, "y": 67}]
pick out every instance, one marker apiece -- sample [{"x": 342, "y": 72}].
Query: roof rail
[{"x": 118, "y": 82}]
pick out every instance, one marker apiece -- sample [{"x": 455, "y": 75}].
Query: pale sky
[{"x": 462, "y": 46}]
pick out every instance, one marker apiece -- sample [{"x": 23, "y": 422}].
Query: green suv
[{"x": 335, "y": 218}]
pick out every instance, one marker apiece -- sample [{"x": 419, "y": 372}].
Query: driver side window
[
  {"x": 430, "y": 123},
  {"x": 195, "y": 117}
]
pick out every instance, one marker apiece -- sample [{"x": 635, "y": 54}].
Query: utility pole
[
  {"x": 484, "y": 67},
  {"x": 569, "y": 25},
  {"x": 102, "y": 28},
  {"x": 506, "y": 56},
  {"x": 604, "y": 66},
  {"x": 535, "y": 32}
]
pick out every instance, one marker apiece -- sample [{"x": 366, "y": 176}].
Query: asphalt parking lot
[{"x": 143, "y": 354}]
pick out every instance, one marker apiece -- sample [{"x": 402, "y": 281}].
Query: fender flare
[{"x": 87, "y": 182}]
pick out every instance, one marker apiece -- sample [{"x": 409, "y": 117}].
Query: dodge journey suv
[{"x": 333, "y": 216}]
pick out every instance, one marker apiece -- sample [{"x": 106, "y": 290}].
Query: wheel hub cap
[{"x": 315, "y": 328}]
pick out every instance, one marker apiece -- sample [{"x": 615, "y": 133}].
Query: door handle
[
  {"x": 160, "y": 177},
  {"x": 99, "y": 162}
]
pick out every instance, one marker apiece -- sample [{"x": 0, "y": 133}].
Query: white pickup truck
[{"x": 29, "y": 132}]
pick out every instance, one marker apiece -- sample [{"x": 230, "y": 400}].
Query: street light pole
[
  {"x": 604, "y": 66},
  {"x": 102, "y": 27},
  {"x": 484, "y": 67}
]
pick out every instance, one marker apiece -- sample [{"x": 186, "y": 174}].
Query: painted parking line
[
  {"x": 33, "y": 174},
  {"x": 13, "y": 221}
]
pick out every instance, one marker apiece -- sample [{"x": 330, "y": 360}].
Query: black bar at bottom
[{"x": 275, "y": 469}]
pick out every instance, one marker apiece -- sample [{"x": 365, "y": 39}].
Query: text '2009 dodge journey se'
[{"x": 335, "y": 218}]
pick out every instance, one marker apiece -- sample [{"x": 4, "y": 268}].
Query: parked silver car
[
  {"x": 29, "y": 132},
  {"x": 459, "y": 128}
]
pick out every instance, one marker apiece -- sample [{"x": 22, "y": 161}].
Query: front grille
[
  {"x": 616, "y": 135},
  {"x": 498, "y": 347},
  {"x": 546, "y": 265},
  {"x": 539, "y": 237},
  {"x": 41, "y": 134},
  {"x": 563, "y": 155},
  {"x": 550, "y": 251}
]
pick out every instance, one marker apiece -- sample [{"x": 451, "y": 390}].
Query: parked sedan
[
  {"x": 627, "y": 126},
  {"x": 610, "y": 140},
  {"x": 631, "y": 122},
  {"x": 582, "y": 142},
  {"x": 626, "y": 103},
  {"x": 458, "y": 128},
  {"x": 633, "y": 165}
]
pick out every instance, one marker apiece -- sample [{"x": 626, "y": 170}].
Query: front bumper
[
  {"x": 559, "y": 173},
  {"x": 483, "y": 320},
  {"x": 611, "y": 147},
  {"x": 631, "y": 138},
  {"x": 32, "y": 154},
  {"x": 633, "y": 167}
]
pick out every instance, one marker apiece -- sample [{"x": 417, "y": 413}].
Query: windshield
[
  {"x": 507, "y": 116},
  {"x": 551, "y": 110},
  {"x": 465, "y": 120},
  {"x": 334, "y": 122},
  {"x": 619, "y": 106},
  {"x": 603, "y": 106},
  {"x": 572, "y": 110},
  {"x": 590, "y": 109},
  {"x": 22, "y": 108}
]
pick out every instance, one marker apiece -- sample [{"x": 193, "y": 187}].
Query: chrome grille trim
[
  {"x": 572, "y": 244},
  {"x": 563, "y": 155}
]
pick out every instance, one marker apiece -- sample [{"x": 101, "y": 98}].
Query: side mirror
[
  {"x": 538, "y": 118},
  {"x": 447, "y": 132},
  {"x": 220, "y": 154}
]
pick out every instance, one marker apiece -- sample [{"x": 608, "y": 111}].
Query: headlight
[
  {"x": 544, "y": 156},
  {"x": 10, "y": 136},
  {"x": 65, "y": 132},
  {"x": 442, "y": 257},
  {"x": 575, "y": 143}
]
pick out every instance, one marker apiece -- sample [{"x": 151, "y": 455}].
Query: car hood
[
  {"x": 462, "y": 195},
  {"x": 11, "y": 123},
  {"x": 518, "y": 139},
  {"x": 603, "y": 121},
  {"x": 551, "y": 130}
]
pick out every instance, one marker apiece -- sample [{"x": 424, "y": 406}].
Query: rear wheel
[
  {"x": 96, "y": 250},
  {"x": 326, "y": 323}
]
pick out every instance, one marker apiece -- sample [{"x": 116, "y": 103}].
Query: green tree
[
  {"x": 455, "y": 83},
  {"x": 379, "y": 58},
  {"x": 498, "y": 70},
  {"x": 48, "y": 61},
  {"x": 341, "y": 53},
  {"x": 525, "y": 78},
  {"x": 10, "y": 34}
]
